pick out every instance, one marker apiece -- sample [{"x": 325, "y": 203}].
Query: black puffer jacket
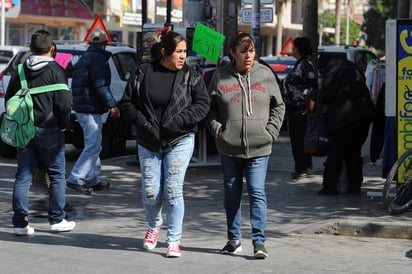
[
  {"x": 91, "y": 82},
  {"x": 344, "y": 96},
  {"x": 188, "y": 105}
]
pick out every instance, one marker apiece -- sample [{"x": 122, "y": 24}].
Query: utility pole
[
  {"x": 337, "y": 22},
  {"x": 256, "y": 27},
  {"x": 139, "y": 41},
  {"x": 347, "y": 22},
  {"x": 310, "y": 26},
  {"x": 3, "y": 22},
  {"x": 279, "y": 27},
  {"x": 168, "y": 12},
  {"x": 228, "y": 24}
]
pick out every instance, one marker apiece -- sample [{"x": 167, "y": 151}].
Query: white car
[
  {"x": 123, "y": 63},
  {"x": 358, "y": 55},
  {"x": 6, "y": 54}
]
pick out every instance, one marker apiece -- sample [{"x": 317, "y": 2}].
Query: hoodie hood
[{"x": 37, "y": 62}]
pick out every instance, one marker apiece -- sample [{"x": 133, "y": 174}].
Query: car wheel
[{"x": 115, "y": 132}]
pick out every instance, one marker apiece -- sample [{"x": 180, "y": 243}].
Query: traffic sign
[
  {"x": 287, "y": 48},
  {"x": 266, "y": 15},
  {"x": 98, "y": 25}
]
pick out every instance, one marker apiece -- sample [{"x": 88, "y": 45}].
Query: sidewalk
[{"x": 111, "y": 224}]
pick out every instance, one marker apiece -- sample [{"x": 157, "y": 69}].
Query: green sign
[{"x": 207, "y": 42}]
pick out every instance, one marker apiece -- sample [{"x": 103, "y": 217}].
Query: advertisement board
[{"x": 404, "y": 84}]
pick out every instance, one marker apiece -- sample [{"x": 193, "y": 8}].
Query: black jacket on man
[
  {"x": 91, "y": 82},
  {"x": 51, "y": 109}
]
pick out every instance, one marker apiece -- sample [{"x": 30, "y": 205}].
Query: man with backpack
[{"x": 47, "y": 148}]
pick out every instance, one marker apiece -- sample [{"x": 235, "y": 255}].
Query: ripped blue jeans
[{"x": 163, "y": 176}]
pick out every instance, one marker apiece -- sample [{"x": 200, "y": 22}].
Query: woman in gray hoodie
[{"x": 245, "y": 117}]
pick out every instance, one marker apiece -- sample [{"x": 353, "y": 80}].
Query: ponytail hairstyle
[{"x": 169, "y": 42}]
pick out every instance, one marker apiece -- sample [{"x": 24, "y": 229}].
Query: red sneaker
[
  {"x": 173, "y": 251},
  {"x": 150, "y": 240}
]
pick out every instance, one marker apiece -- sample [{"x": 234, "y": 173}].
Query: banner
[{"x": 207, "y": 42}]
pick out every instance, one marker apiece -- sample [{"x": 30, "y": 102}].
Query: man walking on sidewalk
[
  {"x": 91, "y": 98},
  {"x": 47, "y": 148}
]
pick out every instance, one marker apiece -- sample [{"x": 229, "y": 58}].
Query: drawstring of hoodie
[{"x": 247, "y": 92}]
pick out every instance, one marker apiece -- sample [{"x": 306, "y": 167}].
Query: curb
[{"x": 393, "y": 230}]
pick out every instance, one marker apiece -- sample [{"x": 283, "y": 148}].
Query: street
[{"x": 302, "y": 228}]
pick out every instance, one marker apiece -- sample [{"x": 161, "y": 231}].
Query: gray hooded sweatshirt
[{"x": 249, "y": 109}]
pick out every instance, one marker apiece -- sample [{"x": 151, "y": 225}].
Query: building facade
[{"x": 71, "y": 19}]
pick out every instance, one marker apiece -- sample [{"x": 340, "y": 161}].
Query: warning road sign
[{"x": 98, "y": 25}]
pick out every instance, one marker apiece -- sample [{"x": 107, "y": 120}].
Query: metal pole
[
  {"x": 3, "y": 21},
  {"x": 168, "y": 12},
  {"x": 139, "y": 42},
  {"x": 347, "y": 23},
  {"x": 256, "y": 26},
  {"x": 279, "y": 26}
]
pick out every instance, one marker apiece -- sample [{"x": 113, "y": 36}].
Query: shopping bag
[{"x": 316, "y": 137}]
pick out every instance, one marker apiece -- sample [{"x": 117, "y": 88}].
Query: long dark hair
[
  {"x": 303, "y": 45},
  {"x": 169, "y": 42}
]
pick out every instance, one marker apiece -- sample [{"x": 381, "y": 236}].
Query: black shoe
[
  {"x": 325, "y": 192},
  {"x": 232, "y": 247},
  {"x": 101, "y": 186},
  {"x": 297, "y": 176},
  {"x": 81, "y": 188},
  {"x": 308, "y": 173},
  {"x": 259, "y": 251}
]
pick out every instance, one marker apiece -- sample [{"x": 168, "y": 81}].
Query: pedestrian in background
[
  {"x": 92, "y": 97},
  {"x": 52, "y": 117},
  {"x": 297, "y": 84},
  {"x": 345, "y": 101},
  {"x": 245, "y": 117},
  {"x": 165, "y": 99}
]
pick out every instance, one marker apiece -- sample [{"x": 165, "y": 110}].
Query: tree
[
  {"x": 327, "y": 19},
  {"x": 375, "y": 21},
  {"x": 403, "y": 9}
]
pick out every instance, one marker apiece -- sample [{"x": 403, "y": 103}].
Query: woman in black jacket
[{"x": 166, "y": 100}]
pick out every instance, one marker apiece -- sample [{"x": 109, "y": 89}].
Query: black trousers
[
  {"x": 297, "y": 125},
  {"x": 345, "y": 145}
]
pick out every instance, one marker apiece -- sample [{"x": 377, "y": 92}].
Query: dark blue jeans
[
  {"x": 254, "y": 170},
  {"x": 46, "y": 150}
]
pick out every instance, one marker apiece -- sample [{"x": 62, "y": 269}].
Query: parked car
[
  {"x": 6, "y": 53},
  {"x": 282, "y": 65},
  {"x": 123, "y": 63},
  {"x": 354, "y": 54}
]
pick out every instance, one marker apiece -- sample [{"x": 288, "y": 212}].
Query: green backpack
[{"x": 17, "y": 128}]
